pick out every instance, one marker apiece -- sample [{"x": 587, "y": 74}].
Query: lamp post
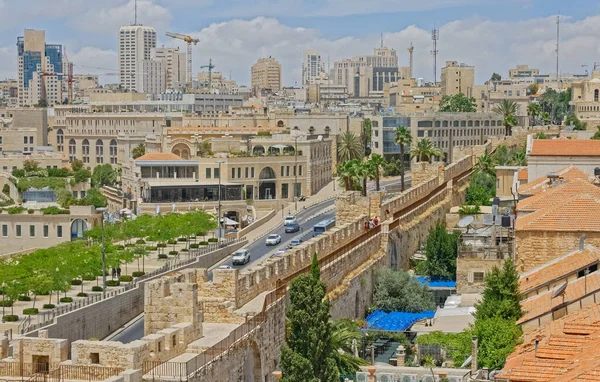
[
  {"x": 3, "y": 294},
  {"x": 219, "y": 218},
  {"x": 102, "y": 210}
]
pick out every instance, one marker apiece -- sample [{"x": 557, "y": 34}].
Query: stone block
[{"x": 131, "y": 375}]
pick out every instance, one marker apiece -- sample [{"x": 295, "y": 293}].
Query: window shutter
[{"x": 470, "y": 277}]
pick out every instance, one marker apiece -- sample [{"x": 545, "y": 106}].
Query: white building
[
  {"x": 175, "y": 66},
  {"x": 135, "y": 45},
  {"x": 154, "y": 76},
  {"x": 312, "y": 67}
]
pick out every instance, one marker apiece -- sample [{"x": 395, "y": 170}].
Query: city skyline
[{"x": 468, "y": 33}]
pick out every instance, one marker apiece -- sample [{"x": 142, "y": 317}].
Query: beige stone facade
[
  {"x": 523, "y": 71},
  {"x": 585, "y": 99},
  {"x": 457, "y": 79},
  {"x": 266, "y": 74}
]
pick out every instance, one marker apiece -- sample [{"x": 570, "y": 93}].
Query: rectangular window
[
  {"x": 25, "y": 140},
  {"x": 4, "y": 230},
  {"x": 287, "y": 171},
  {"x": 282, "y": 171},
  {"x": 232, "y": 173},
  {"x": 208, "y": 173},
  {"x": 252, "y": 173},
  {"x": 216, "y": 173},
  {"x": 300, "y": 169},
  {"x": 18, "y": 230},
  {"x": 246, "y": 172},
  {"x": 31, "y": 230},
  {"x": 30, "y": 140},
  {"x": 298, "y": 189},
  {"x": 75, "y": 194},
  {"x": 284, "y": 191},
  {"x": 294, "y": 170},
  {"x": 239, "y": 172},
  {"x": 478, "y": 277},
  {"x": 59, "y": 231},
  {"x": 45, "y": 230}
]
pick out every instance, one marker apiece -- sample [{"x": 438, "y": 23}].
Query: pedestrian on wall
[
  {"x": 114, "y": 273},
  {"x": 119, "y": 272}
]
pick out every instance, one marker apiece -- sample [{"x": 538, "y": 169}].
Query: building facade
[
  {"x": 523, "y": 71},
  {"x": 174, "y": 65},
  {"x": 135, "y": 45},
  {"x": 266, "y": 74},
  {"x": 457, "y": 78},
  {"x": 154, "y": 75},
  {"x": 313, "y": 67}
]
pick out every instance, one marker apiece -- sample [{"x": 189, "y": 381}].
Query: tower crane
[
  {"x": 210, "y": 67},
  {"x": 190, "y": 40},
  {"x": 69, "y": 81}
]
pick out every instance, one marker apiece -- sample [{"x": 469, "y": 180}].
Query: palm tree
[
  {"x": 507, "y": 109},
  {"x": 138, "y": 151},
  {"x": 362, "y": 171},
  {"x": 377, "y": 163},
  {"x": 367, "y": 135},
  {"x": 429, "y": 363},
  {"x": 344, "y": 172},
  {"x": 424, "y": 150},
  {"x": 403, "y": 138},
  {"x": 519, "y": 158},
  {"x": 349, "y": 147},
  {"x": 486, "y": 164},
  {"x": 546, "y": 119},
  {"x": 534, "y": 110},
  {"x": 341, "y": 341}
]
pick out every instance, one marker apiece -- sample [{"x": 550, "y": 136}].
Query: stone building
[
  {"x": 585, "y": 99},
  {"x": 457, "y": 79},
  {"x": 266, "y": 74},
  {"x": 550, "y": 155}
]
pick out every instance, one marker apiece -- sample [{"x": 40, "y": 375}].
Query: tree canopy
[
  {"x": 556, "y": 103},
  {"x": 104, "y": 175},
  {"x": 349, "y": 147},
  {"x": 458, "y": 103},
  {"x": 441, "y": 250},
  {"x": 397, "y": 291}
]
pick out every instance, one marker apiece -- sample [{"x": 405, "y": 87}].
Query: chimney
[
  {"x": 581, "y": 243},
  {"x": 537, "y": 343},
  {"x": 474, "y": 361}
]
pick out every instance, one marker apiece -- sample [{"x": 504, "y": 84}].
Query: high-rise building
[
  {"x": 135, "y": 45},
  {"x": 266, "y": 74},
  {"x": 312, "y": 67},
  {"x": 457, "y": 79},
  {"x": 38, "y": 67},
  {"x": 175, "y": 66},
  {"x": 154, "y": 77}
]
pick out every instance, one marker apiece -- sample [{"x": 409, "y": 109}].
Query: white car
[
  {"x": 240, "y": 257},
  {"x": 273, "y": 239},
  {"x": 225, "y": 266},
  {"x": 289, "y": 220}
]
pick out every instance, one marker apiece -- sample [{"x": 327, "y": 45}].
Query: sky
[{"x": 492, "y": 35}]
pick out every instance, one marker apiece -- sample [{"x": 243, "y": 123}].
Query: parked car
[
  {"x": 295, "y": 243},
  {"x": 292, "y": 228},
  {"x": 240, "y": 257},
  {"x": 273, "y": 239},
  {"x": 289, "y": 220}
]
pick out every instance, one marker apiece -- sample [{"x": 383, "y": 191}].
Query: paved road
[{"x": 259, "y": 252}]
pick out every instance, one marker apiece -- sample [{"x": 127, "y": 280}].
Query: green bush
[
  {"x": 119, "y": 247},
  {"x": 76, "y": 282},
  {"x": 138, "y": 273},
  {"x": 173, "y": 253},
  {"x": 10, "y": 318},
  {"x": 48, "y": 306},
  {"x": 53, "y": 210},
  {"x": 182, "y": 239},
  {"x": 58, "y": 172},
  {"x": 6, "y": 303},
  {"x": 201, "y": 233},
  {"x": 89, "y": 278},
  {"x": 469, "y": 210},
  {"x": 213, "y": 240},
  {"x": 162, "y": 256},
  {"x": 161, "y": 245},
  {"x": 185, "y": 250},
  {"x": 18, "y": 173},
  {"x": 66, "y": 299},
  {"x": 130, "y": 245},
  {"x": 203, "y": 243},
  {"x": 30, "y": 211},
  {"x": 172, "y": 242},
  {"x": 82, "y": 294},
  {"x": 151, "y": 248},
  {"x": 15, "y": 210},
  {"x": 113, "y": 283},
  {"x": 96, "y": 288},
  {"x": 194, "y": 246},
  {"x": 30, "y": 311},
  {"x": 24, "y": 298},
  {"x": 126, "y": 278},
  {"x": 141, "y": 241}
]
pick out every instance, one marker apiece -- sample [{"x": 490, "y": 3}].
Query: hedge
[
  {"x": 138, "y": 273},
  {"x": 201, "y": 234},
  {"x": 30, "y": 311},
  {"x": 183, "y": 239},
  {"x": 173, "y": 253},
  {"x": 172, "y": 242},
  {"x": 203, "y": 243},
  {"x": 194, "y": 246},
  {"x": 30, "y": 211},
  {"x": 6, "y": 303},
  {"x": 96, "y": 288},
  {"x": 24, "y": 298},
  {"x": 126, "y": 278},
  {"x": 161, "y": 245},
  {"x": 184, "y": 250},
  {"x": 130, "y": 245},
  {"x": 213, "y": 240},
  {"x": 82, "y": 294},
  {"x": 76, "y": 282},
  {"x": 113, "y": 283},
  {"x": 49, "y": 306},
  {"x": 10, "y": 318},
  {"x": 141, "y": 241},
  {"x": 151, "y": 248},
  {"x": 66, "y": 299},
  {"x": 119, "y": 247},
  {"x": 162, "y": 256},
  {"x": 89, "y": 278}
]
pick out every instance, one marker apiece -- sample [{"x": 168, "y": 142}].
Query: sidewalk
[{"x": 325, "y": 193}]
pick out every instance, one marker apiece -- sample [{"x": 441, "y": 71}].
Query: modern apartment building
[
  {"x": 154, "y": 75},
  {"x": 135, "y": 45},
  {"x": 174, "y": 64},
  {"x": 457, "y": 78},
  {"x": 266, "y": 74},
  {"x": 312, "y": 67},
  {"x": 38, "y": 67}
]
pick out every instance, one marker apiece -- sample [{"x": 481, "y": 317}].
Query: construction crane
[
  {"x": 210, "y": 67},
  {"x": 190, "y": 40},
  {"x": 69, "y": 79}
]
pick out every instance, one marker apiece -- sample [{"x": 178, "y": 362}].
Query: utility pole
[{"x": 435, "y": 36}]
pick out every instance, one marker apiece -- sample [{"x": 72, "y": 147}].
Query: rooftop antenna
[
  {"x": 382, "y": 40},
  {"x": 435, "y": 36},
  {"x": 557, "y": 44},
  {"x": 135, "y": 12},
  {"x": 410, "y": 53}
]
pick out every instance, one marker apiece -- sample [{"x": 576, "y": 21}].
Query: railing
[
  {"x": 87, "y": 373},
  {"x": 45, "y": 318},
  {"x": 16, "y": 369}
]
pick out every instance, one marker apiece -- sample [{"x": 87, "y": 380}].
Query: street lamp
[
  {"x": 102, "y": 210},
  {"x": 219, "y": 162},
  {"x": 3, "y": 294}
]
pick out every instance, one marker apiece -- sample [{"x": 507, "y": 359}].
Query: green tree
[
  {"x": 30, "y": 165},
  {"x": 495, "y": 77},
  {"x": 458, "y": 103},
  {"x": 577, "y": 124},
  {"x": 138, "y": 151},
  {"x": 482, "y": 188},
  {"x": 82, "y": 175},
  {"x": 367, "y": 135},
  {"x": 397, "y": 291},
  {"x": 76, "y": 165},
  {"x": 349, "y": 147},
  {"x": 441, "y": 250},
  {"x": 534, "y": 110},
  {"x": 42, "y": 103},
  {"x": 343, "y": 334},
  {"x": 344, "y": 172},
  {"x": 501, "y": 296},
  {"x": 533, "y": 89},
  {"x": 556, "y": 104},
  {"x": 597, "y": 133},
  {"x": 508, "y": 110},
  {"x": 403, "y": 138},
  {"x": 362, "y": 171},
  {"x": 377, "y": 163},
  {"x": 104, "y": 175},
  {"x": 546, "y": 118},
  {"x": 497, "y": 339},
  {"x": 308, "y": 355},
  {"x": 424, "y": 150},
  {"x": 203, "y": 148},
  {"x": 486, "y": 164}
]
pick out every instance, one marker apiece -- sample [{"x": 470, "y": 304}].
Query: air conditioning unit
[
  {"x": 455, "y": 379},
  {"x": 385, "y": 377},
  {"x": 408, "y": 378},
  {"x": 429, "y": 378},
  {"x": 362, "y": 377}
]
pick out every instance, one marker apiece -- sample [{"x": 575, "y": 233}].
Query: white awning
[{"x": 228, "y": 221}]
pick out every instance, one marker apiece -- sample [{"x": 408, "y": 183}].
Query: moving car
[
  {"x": 273, "y": 239},
  {"x": 292, "y": 228},
  {"x": 240, "y": 257},
  {"x": 289, "y": 220},
  {"x": 295, "y": 243}
]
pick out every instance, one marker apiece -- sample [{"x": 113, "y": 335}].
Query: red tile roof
[
  {"x": 561, "y": 191},
  {"x": 538, "y": 185},
  {"x": 565, "y": 147},
  {"x": 580, "y": 214},
  {"x": 159, "y": 156}
]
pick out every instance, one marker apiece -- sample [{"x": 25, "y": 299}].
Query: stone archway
[
  {"x": 267, "y": 188},
  {"x": 78, "y": 227},
  {"x": 182, "y": 150},
  {"x": 252, "y": 365}
]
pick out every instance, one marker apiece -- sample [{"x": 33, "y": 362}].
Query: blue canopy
[
  {"x": 395, "y": 321},
  {"x": 436, "y": 283}
]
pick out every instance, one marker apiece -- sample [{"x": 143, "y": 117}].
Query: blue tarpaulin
[
  {"x": 395, "y": 321},
  {"x": 435, "y": 283}
]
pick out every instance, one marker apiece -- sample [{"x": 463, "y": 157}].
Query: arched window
[
  {"x": 280, "y": 124},
  {"x": 85, "y": 151},
  {"x": 113, "y": 151},
  {"x": 596, "y": 93},
  {"x": 99, "y": 151},
  {"x": 60, "y": 140},
  {"x": 72, "y": 150}
]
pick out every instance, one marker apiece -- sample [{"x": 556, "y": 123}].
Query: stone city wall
[
  {"x": 351, "y": 204},
  {"x": 40, "y": 350},
  {"x": 423, "y": 171}
]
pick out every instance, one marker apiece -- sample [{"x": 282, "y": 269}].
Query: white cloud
[
  {"x": 8, "y": 62},
  {"x": 90, "y": 59}
]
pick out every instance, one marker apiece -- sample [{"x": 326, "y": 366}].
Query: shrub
[
  {"x": 10, "y": 318},
  {"x": 151, "y": 248},
  {"x": 24, "y": 298},
  {"x": 15, "y": 210},
  {"x": 203, "y": 243},
  {"x": 138, "y": 273},
  {"x": 66, "y": 299},
  {"x": 53, "y": 210},
  {"x": 161, "y": 245},
  {"x": 182, "y": 239},
  {"x": 18, "y": 173},
  {"x": 96, "y": 288},
  {"x": 6, "y": 303},
  {"x": 213, "y": 240},
  {"x": 162, "y": 256},
  {"x": 30, "y": 211},
  {"x": 173, "y": 253},
  {"x": 140, "y": 241},
  {"x": 41, "y": 292},
  {"x": 89, "y": 278},
  {"x": 397, "y": 291},
  {"x": 194, "y": 246},
  {"x": 172, "y": 242},
  {"x": 113, "y": 283},
  {"x": 129, "y": 245},
  {"x": 185, "y": 250},
  {"x": 48, "y": 306},
  {"x": 82, "y": 294},
  {"x": 119, "y": 247},
  {"x": 201, "y": 233},
  {"x": 76, "y": 282},
  {"x": 126, "y": 278},
  {"x": 469, "y": 210},
  {"x": 30, "y": 311}
]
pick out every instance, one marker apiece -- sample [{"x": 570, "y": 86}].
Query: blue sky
[{"x": 493, "y": 35}]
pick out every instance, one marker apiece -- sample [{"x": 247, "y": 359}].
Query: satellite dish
[
  {"x": 560, "y": 290},
  {"x": 466, "y": 221}
]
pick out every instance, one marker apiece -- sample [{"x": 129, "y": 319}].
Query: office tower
[
  {"x": 312, "y": 67},
  {"x": 266, "y": 74},
  {"x": 135, "y": 45}
]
